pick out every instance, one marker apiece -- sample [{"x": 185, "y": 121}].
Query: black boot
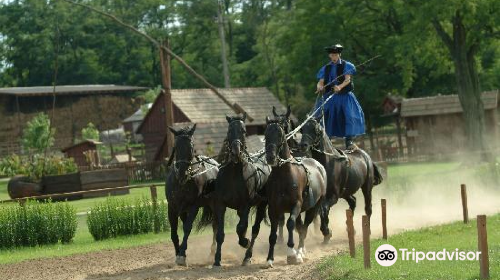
[{"x": 349, "y": 143}]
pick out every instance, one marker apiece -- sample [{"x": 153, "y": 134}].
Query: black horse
[
  {"x": 293, "y": 187},
  {"x": 188, "y": 181},
  {"x": 347, "y": 172},
  {"x": 240, "y": 185}
]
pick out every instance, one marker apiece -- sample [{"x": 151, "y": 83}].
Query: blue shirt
[{"x": 349, "y": 69}]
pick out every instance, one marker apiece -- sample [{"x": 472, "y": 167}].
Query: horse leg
[
  {"x": 241, "y": 228},
  {"x": 325, "y": 221},
  {"x": 220, "y": 211},
  {"x": 214, "y": 241},
  {"x": 261, "y": 212},
  {"x": 367, "y": 193},
  {"x": 272, "y": 237},
  {"x": 351, "y": 200},
  {"x": 290, "y": 225},
  {"x": 187, "y": 225},
  {"x": 309, "y": 217},
  {"x": 173, "y": 219},
  {"x": 281, "y": 225}
]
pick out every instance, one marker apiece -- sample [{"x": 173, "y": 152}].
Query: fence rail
[
  {"x": 68, "y": 194},
  {"x": 137, "y": 172}
]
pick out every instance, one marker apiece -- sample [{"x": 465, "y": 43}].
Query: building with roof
[
  {"x": 436, "y": 124},
  {"x": 75, "y": 106},
  {"x": 208, "y": 111}
]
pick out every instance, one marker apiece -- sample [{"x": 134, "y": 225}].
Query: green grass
[
  {"x": 449, "y": 237},
  {"x": 3, "y": 189}
]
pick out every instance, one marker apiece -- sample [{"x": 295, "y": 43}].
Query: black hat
[{"x": 337, "y": 48}]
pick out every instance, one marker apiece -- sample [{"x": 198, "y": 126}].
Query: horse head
[
  {"x": 184, "y": 149},
  {"x": 311, "y": 135},
  {"x": 236, "y": 137},
  {"x": 275, "y": 137},
  {"x": 284, "y": 119}
]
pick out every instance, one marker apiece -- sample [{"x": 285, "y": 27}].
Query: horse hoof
[
  {"x": 216, "y": 267},
  {"x": 181, "y": 261},
  {"x": 302, "y": 252},
  {"x": 299, "y": 259},
  {"x": 246, "y": 262},
  {"x": 269, "y": 264}
]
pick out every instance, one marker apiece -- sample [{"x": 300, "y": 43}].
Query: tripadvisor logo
[{"x": 387, "y": 255}]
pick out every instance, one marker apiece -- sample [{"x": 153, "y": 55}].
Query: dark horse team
[{"x": 275, "y": 181}]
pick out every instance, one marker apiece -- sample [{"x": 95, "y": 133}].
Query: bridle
[
  {"x": 282, "y": 142},
  {"x": 229, "y": 145}
]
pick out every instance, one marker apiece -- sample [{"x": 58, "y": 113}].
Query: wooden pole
[
  {"x": 167, "y": 94},
  {"x": 350, "y": 232},
  {"x": 384, "y": 219},
  {"x": 154, "y": 199},
  {"x": 366, "y": 241},
  {"x": 464, "y": 203},
  {"x": 482, "y": 238}
]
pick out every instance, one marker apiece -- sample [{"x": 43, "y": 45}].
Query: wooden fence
[{"x": 137, "y": 172}]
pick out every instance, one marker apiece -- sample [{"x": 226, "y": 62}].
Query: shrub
[
  {"x": 37, "y": 167},
  {"x": 12, "y": 165},
  {"x": 90, "y": 132},
  {"x": 36, "y": 223},
  {"x": 119, "y": 217},
  {"x": 38, "y": 136}
]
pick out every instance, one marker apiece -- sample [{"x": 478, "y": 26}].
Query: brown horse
[
  {"x": 294, "y": 186},
  {"x": 347, "y": 172}
]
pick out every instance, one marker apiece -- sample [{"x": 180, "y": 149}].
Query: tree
[
  {"x": 38, "y": 135},
  {"x": 90, "y": 132}
]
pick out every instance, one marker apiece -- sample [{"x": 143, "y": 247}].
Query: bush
[
  {"x": 119, "y": 217},
  {"x": 38, "y": 136},
  {"x": 36, "y": 223},
  {"x": 11, "y": 166},
  {"x": 36, "y": 167}
]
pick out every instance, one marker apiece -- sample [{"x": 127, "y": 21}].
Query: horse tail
[
  {"x": 207, "y": 218},
  {"x": 378, "y": 178},
  {"x": 370, "y": 164}
]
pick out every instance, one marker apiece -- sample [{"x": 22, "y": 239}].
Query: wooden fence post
[
  {"x": 384, "y": 219},
  {"x": 154, "y": 199},
  {"x": 366, "y": 241},
  {"x": 350, "y": 232},
  {"x": 482, "y": 238},
  {"x": 465, "y": 210}
]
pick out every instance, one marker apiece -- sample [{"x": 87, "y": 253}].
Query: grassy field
[{"x": 449, "y": 237}]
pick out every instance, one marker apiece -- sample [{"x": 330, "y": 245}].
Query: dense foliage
[
  {"x": 119, "y": 217},
  {"x": 273, "y": 43},
  {"x": 38, "y": 135},
  {"x": 37, "y": 166},
  {"x": 36, "y": 223}
]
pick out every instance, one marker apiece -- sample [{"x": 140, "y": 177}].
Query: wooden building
[
  {"x": 436, "y": 124},
  {"x": 78, "y": 153},
  {"x": 75, "y": 106},
  {"x": 208, "y": 111}
]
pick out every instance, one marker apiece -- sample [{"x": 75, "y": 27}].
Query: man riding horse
[{"x": 343, "y": 114}]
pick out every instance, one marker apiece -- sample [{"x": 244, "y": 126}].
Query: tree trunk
[
  {"x": 225, "y": 66},
  {"x": 469, "y": 93},
  {"x": 467, "y": 79}
]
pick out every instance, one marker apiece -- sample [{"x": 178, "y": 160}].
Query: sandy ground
[{"x": 421, "y": 205}]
